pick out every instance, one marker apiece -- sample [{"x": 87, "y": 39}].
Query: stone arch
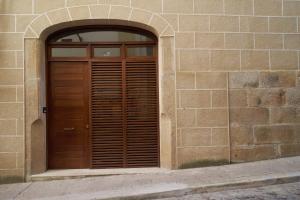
[{"x": 34, "y": 48}]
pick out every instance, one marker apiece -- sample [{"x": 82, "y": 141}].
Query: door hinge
[{"x": 45, "y": 110}]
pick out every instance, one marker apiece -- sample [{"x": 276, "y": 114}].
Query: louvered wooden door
[
  {"x": 124, "y": 106},
  {"x": 103, "y": 106}
]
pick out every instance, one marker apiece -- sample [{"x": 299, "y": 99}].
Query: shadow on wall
[{"x": 38, "y": 150}]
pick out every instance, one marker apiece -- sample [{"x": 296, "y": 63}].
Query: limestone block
[
  {"x": 224, "y": 24},
  {"x": 7, "y": 59},
  {"x": 248, "y": 116},
  {"x": 8, "y": 127},
  {"x": 284, "y": 60},
  {"x": 7, "y": 23},
  {"x": 219, "y": 136},
  {"x": 212, "y": 117},
  {"x": 193, "y": 23},
  {"x": 15, "y": 6},
  {"x": 293, "y": 96},
  {"x": 211, "y": 80},
  {"x": 22, "y": 21},
  {"x": 185, "y": 80},
  {"x": 41, "y": 6},
  {"x": 266, "y": 97},
  {"x": 11, "y": 41},
  {"x": 194, "y": 154},
  {"x": 268, "y": 7},
  {"x": 153, "y": 5},
  {"x": 209, "y": 40},
  {"x": 239, "y": 41},
  {"x": 292, "y": 41},
  {"x": 158, "y": 23},
  {"x": 78, "y": 13},
  {"x": 195, "y": 136},
  {"x": 275, "y": 134},
  {"x": 8, "y": 94},
  {"x": 118, "y": 2},
  {"x": 225, "y": 60},
  {"x": 195, "y": 99},
  {"x": 290, "y": 149},
  {"x": 186, "y": 118},
  {"x": 219, "y": 98},
  {"x": 291, "y": 8},
  {"x": 119, "y": 12},
  {"x": 208, "y": 6},
  {"x": 59, "y": 16},
  {"x": 172, "y": 19},
  {"x": 268, "y": 41},
  {"x": 140, "y": 16},
  {"x": 20, "y": 127},
  {"x": 284, "y": 115},
  {"x": 241, "y": 135},
  {"x": 20, "y": 94},
  {"x": 283, "y": 24},
  {"x": 194, "y": 60},
  {"x": 243, "y": 79},
  {"x": 11, "y": 110},
  {"x": 11, "y": 144},
  {"x": 99, "y": 11},
  {"x": 80, "y": 2},
  {"x": 239, "y": 7},
  {"x": 8, "y": 161},
  {"x": 255, "y": 60},
  {"x": 255, "y": 153},
  {"x": 11, "y": 76},
  {"x": 253, "y": 24},
  {"x": 277, "y": 79},
  {"x": 40, "y": 24},
  {"x": 178, "y": 6},
  {"x": 184, "y": 40},
  {"x": 238, "y": 98}
]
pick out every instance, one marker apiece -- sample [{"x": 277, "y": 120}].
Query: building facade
[{"x": 228, "y": 81}]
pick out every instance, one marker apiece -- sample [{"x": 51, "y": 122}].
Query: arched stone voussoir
[
  {"x": 158, "y": 23},
  {"x": 39, "y": 24},
  {"x": 59, "y": 16},
  {"x": 119, "y": 12},
  {"x": 152, "y": 21}
]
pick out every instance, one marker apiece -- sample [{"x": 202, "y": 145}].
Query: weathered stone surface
[
  {"x": 266, "y": 97},
  {"x": 219, "y": 136},
  {"x": 277, "y": 79},
  {"x": 253, "y": 153},
  {"x": 196, "y": 137},
  {"x": 243, "y": 79},
  {"x": 219, "y": 98},
  {"x": 248, "y": 116},
  {"x": 293, "y": 96},
  {"x": 238, "y": 98},
  {"x": 241, "y": 135},
  {"x": 195, "y": 98},
  {"x": 211, "y": 80},
  {"x": 290, "y": 149},
  {"x": 285, "y": 115},
  {"x": 212, "y": 117},
  {"x": 186, "y": 118},
  {"x": 275, "y": 134}
]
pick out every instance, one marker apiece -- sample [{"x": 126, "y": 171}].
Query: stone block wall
[{"x": 237, "y": 72}]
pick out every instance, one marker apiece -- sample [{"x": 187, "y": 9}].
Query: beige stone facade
[{"x": 229, "y": 76}]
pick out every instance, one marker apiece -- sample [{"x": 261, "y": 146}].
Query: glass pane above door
[
  {"x": 102, "y": 36},
  {"x": 107, "y": 52},
  {"x": 68, "y": 52},
  {"x": 140, "y": 51}
]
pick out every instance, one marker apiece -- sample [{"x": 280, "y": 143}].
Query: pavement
[{"x": 158, "y": 185}]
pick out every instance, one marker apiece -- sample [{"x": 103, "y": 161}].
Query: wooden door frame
[{"x": 90, "y": 59}]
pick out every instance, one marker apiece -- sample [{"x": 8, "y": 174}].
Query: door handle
[{"x": 69, "y": 129}]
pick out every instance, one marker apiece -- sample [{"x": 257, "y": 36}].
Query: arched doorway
[{"x": 102, "y": 98}]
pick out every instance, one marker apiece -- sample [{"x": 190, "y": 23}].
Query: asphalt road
[{"x": 290, "y": 191}]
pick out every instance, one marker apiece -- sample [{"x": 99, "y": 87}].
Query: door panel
[{"x": 68, "y": 115}]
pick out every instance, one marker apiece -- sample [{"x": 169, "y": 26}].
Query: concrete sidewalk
[{"x": 158, "y": 185}]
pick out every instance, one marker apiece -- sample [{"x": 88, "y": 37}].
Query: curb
[{"x": 211, "y": 188}]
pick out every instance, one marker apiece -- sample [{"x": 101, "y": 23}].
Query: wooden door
[{"x": 68, "y": 115}]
